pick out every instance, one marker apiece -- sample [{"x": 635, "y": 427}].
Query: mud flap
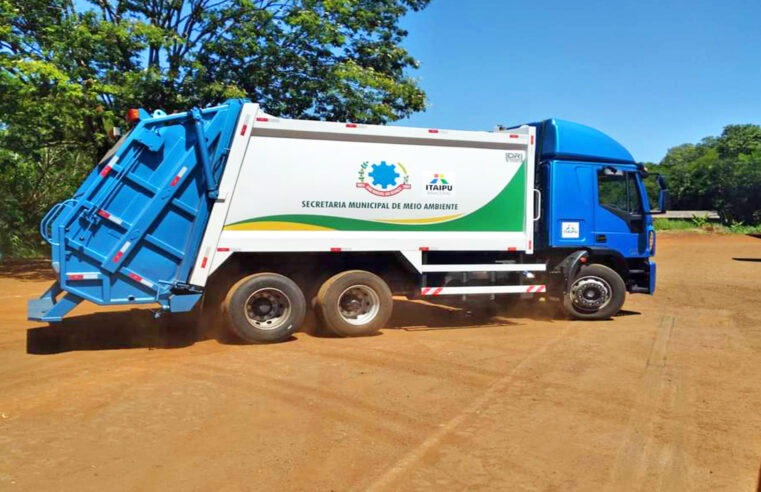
[{"x": 563, "y": 274}]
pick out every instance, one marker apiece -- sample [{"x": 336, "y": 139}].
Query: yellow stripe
[
  {"x": 275, "y": 226},
  {"x": 430, "y": 220}
]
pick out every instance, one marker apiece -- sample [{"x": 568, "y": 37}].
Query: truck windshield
[{"x": 618, "y": 192}]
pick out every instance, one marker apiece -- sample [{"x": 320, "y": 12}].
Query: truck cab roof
[{"x": 565, "y": 140}]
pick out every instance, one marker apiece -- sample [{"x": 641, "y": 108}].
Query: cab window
[{"x": 617, "y": 191}]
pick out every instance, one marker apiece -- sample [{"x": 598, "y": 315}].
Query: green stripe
[{"x": 504, "y": 213}]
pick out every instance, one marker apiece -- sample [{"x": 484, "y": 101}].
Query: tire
[
  {"x": 265, "y": 307},
  {"x": 354, "y": 303},
  {"x": 587, "y": 298}
]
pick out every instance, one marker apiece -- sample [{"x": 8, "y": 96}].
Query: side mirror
[{"x": 662, "y": 195}]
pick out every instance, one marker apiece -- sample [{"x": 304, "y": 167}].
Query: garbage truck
[{"x": 267, "y": 217}]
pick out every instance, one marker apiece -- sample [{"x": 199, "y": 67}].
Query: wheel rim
[
  {"x": 267, "y": 309},
  {"x": 358, "y": 305},
  {"x": 590, "y": 294}
]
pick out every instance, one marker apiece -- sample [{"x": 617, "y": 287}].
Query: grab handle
[{"x": 46, "y": 228}]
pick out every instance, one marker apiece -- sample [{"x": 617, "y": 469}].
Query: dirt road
[{"x": 666, "y": 396}]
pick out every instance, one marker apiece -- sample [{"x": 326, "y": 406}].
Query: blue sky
[{"x": 651, "y": 74}]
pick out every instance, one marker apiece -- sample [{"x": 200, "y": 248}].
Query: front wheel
[
  {"x": 266, "y": 307},
  {"x": 597, "y": 292}
]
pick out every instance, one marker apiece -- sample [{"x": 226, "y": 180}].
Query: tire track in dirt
[
  {"x": 643, "y": 457},
  {"x": 338, "y": 405},
  {"x": 379, "y": 426},
  {"x": 387, "y": 479},
  {"x": 386, "y": 359}
]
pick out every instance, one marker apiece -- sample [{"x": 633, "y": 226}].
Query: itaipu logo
[
  {"x": 383, "y": 179},
  {"x": 439, "y": 185}
]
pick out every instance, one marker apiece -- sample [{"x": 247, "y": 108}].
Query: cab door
[{"x": 619, "y": 212}]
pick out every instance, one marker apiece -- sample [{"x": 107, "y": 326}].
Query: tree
[
  {"x": 692, "y": 171},
  {"x": 68, "y": 74},
  {"x": 737, "y": 140},
  {"x": 721, "y": 173}
]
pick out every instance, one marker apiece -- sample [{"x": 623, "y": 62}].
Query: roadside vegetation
[
  {"x": 699, "y": 224},
  {"x": 720, "y": 173}
]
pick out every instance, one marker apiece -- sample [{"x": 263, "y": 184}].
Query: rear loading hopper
[{"x": 130, "y": 234}]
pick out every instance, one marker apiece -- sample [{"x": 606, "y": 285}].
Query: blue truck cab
[{"x": 594, "y": 205}]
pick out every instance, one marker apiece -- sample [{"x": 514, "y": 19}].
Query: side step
[{"x": 483, "y": 289}]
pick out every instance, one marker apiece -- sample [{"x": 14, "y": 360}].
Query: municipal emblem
[{"x": 383, "y": 179}]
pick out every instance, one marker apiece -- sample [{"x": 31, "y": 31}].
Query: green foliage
[
  {"x": 720, "y": 173},
  {"x": 68, "y": 74},
  {"x": 662, "y": 224},
  {"x": 737, "y": 140},
  {"x": 740, "y": 228},
  {"x": 699, "y": 221}
]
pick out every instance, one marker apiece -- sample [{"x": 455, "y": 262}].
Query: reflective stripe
[
  {"x": 206, "y": 254},
  {"x": 245, "y": 124},
  {"x": 119, "y": 255},
  {"x": 83, "y": 276},
  {"x": 104, "y": 172},
  {"x": 179, "y": 176},
  {"x": 431, "y": 291},
  {"x": 140, "y": 279},
  {"x": 112, "y": 218},
  {"x": 485, "y": 289}
]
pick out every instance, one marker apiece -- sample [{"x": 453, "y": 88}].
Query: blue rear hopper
[{"x": 131, "y": 233}]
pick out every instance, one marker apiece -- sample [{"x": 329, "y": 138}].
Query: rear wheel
[
  {"x": 265, "y": 307},
  {"x": 597, "y": 292},
  {"x": 354, "y": 303}
]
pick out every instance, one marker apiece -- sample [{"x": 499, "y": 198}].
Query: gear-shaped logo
[
  {"x": 385, "y": 178},
  {"x": 384, "y": 175}
]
